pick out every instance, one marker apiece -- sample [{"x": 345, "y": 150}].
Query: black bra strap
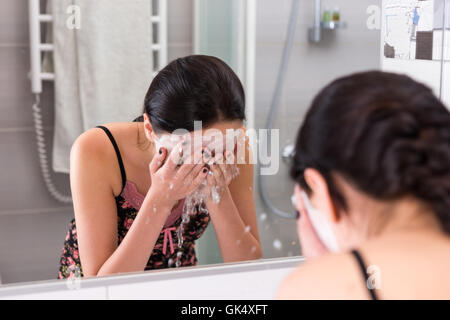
[
  {"x": 119, "y": 157},
  {"x": 363, "y": 267}
]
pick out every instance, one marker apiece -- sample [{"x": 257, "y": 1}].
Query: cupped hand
[
  {"x": 222, "y": 170},
  {"x": 177, "y": 177}
]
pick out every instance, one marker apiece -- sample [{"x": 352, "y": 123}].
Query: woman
[
  {"x": 372, "y": 168},
  {"x": 129, "y": 195}
]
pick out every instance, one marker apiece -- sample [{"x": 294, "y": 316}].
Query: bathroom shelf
[
  {"x": 315, "y": 33},
  {"x": 331, "y": 25}
]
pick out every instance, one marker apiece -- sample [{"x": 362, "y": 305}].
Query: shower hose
[
  {"x": 275, "y": 103},
  {"x": 42, "y": 153}
]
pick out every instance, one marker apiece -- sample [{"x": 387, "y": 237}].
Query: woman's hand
[
  {"x": 175, "y": 178},
  {"x": 222, "y": 171},
  {"x": 312, "y": 246}
]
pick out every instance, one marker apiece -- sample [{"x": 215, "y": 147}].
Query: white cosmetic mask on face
[
  {"x": 166, "y": 141},
  {"x": 321, "y": 225}
]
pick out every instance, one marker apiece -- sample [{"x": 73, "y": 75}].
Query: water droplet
[
  {"x": 215, "y": 195},
  {"x": 250, "y": 188},
  {"x": 171, "y": 186},
  {"x": 147, "y": 220},
  {"x": 263, "y": 216},
  {"x": 154, "y": 209},
  {"x": 277, "y": 244},
  {"x": 293, "y": 243},
  {"x": 294, "y": 200},
  {"x": 253, "y": 249},
  {"x": 247, "y": 229},
  {"x": 180, "y": 235},
  {"x": 170, "y": 262}
]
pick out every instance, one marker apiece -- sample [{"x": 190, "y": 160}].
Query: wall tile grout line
[
  {"x": 22, "y": 129},
  {"x": 35, "y": 211}
]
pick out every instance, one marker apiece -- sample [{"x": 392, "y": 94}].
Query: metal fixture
[
  {"x": 315, "y": 33},
  {"x": 288, "y": 153}
]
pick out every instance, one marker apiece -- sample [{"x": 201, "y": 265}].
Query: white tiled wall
[
  {"x": 32, "y": 224},
  {"x": 311, "y": 67}
]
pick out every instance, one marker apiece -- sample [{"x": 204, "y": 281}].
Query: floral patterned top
[{"x": 169, "y": 250}]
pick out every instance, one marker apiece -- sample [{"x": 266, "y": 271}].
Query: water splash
[
  {"x": 195, "y": 202},
  {"x": 178, "y": 262},
  {"x": 215, "y": 195},
  {"x": 277, "y": 244},
  {"x": 192, "y": 204}
]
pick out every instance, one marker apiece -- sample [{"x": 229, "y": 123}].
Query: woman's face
[
  {"x": 221, "y": 137},
  {"x": 322, "y": 226}
]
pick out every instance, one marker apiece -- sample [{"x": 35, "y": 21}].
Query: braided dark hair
[{"x": 385, "y": 133}]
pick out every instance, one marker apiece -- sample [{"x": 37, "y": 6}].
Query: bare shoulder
[
  {"x": 94, "y": 142},
  {"x": 333, "y": 276},
  {"x": 92, "y": 145},
  {"x": 92, "y": 156}
]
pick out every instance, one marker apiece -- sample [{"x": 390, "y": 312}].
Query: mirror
[{"x": 283, "y": 52}]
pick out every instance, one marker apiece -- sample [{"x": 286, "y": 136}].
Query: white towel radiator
[{"x": 37, "y": 76}]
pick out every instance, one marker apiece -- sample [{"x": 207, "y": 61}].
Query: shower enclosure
[{"x": 285, "y": 53}]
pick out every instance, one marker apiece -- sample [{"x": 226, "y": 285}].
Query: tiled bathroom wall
[
  {"x": 311, "y": 67},
  {"x": 32, "y": 224}
]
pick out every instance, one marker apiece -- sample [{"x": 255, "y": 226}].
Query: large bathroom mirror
[{"x": 68, "y": 66}]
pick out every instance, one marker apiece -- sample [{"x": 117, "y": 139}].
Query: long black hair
[
  {"x": 385, "y": 133},
  {"x": 194, "y": 88}
]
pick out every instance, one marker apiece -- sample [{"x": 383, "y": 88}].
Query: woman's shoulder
[
  {"x": 404, "y": 265},
  {"x": 93, "y": 152},
  {"x": 331, "y": 276},
  {"x": 96, "y": 141}
]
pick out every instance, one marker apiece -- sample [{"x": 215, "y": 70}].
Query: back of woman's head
[
  {"x": 194, "y": 88},
  {"x": 385, "y": 133}
]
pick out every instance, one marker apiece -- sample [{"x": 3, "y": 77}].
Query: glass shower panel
[
  {"x": 349, "y": 45},
  {"x": 367, "y": 35},
  {"x": 390, "y": 35},
  {"x": 219, "y": 32}
]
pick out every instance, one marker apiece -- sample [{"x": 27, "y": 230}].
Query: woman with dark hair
[
  {"x": 372, "y": 167},
  {"x": 129, "y": 189}
]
